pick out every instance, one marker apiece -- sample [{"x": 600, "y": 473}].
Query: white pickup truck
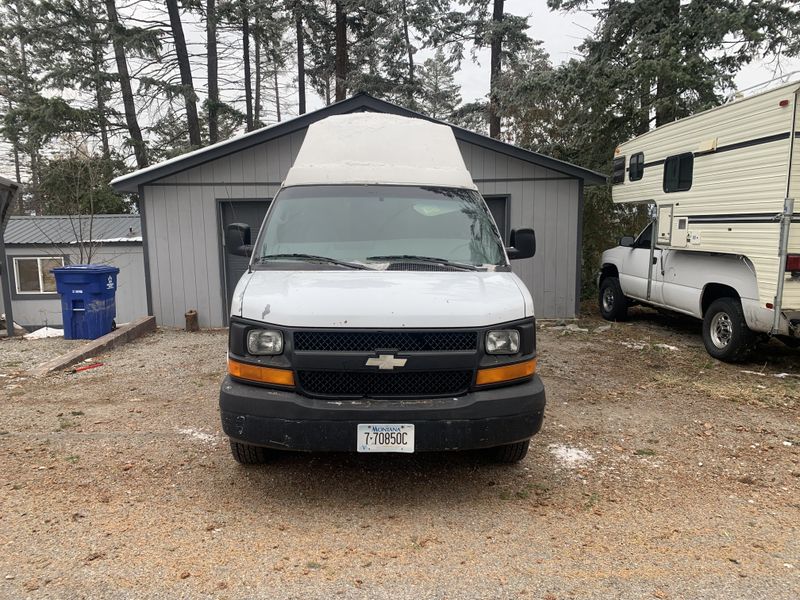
[{"x": 720, "y": 289}]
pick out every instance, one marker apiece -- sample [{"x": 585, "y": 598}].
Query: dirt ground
[{"x": 659, "y": 473}]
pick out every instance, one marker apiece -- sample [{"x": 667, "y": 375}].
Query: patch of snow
[
  {"x": 570, "y": 457},
  {"x": 44, "y": 332},
  {"x": 667, "y": 347},
  {"x": 785, "y": 375},
  {"x": 115, "y": 240},
  {"x": 208, "y": 438},
  {"x": 634, "y": 345}
]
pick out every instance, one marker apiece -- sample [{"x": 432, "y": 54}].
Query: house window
[
  {"x": 618, "y": 175},
  {"x": 34, "y": 275},
  {"x": 636, "y": 167},
  {"x": 498, "y": 206},
  {"x": 678, "y": 172}
]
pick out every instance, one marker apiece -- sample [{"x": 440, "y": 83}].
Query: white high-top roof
[{"x": 374, "y": 148}]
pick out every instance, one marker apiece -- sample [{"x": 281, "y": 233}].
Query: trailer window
[
  {"x": 636, "y": 167},
  {"x": 618, "y": 175},
  {"x": 678, "y": 172}
]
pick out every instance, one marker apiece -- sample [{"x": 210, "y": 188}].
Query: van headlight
[
  {"x": 503, "y": 341},
  {"x": 264, "y": 341}
]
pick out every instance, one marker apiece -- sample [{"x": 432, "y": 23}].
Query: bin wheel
[{"x": 113, "y": 325}]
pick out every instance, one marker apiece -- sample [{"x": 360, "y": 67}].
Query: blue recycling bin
[{"x": 88, "y": 303}]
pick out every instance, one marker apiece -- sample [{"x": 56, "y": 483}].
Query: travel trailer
[
  {"x": 725, "y": 244},
  {"x": 379, "y": 312}
]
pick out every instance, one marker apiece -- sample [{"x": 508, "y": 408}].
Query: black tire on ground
[
  {"x": 612, "y": 302},
  {"x": 725, "y": 332},
  {"x": 789, "y": 341},
  {"x": 249, "y": 455},
  {"x": 510, "y": 453}
]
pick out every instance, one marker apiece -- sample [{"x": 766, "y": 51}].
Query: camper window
[
  {"x": 636, "y": 168},
  {"x": 678, "y": 172},
  {"x": 618, "y": 175}
]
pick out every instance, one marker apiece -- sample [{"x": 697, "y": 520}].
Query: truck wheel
[
  {"x": 613, "y": 303},
  {"x": 249, "y": 455},
  {"x": 510, "y": 453},
  {"x": 725, "y": 332}
]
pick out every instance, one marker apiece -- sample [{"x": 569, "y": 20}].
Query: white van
[{"x": 379, "y": 312}]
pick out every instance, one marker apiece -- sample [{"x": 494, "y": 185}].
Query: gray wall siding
[
  {"x": 183, "y": 225},
  {"x": 548, "y": 202},
  {"x": 130, "y": 297}
]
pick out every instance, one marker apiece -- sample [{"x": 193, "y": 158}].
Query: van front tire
[
  {"x": 510, "y": 454},
  {"x": 245, "y": 454},
  {"x": 725, "y": 332},
  {"x": 612, "y": 302}
]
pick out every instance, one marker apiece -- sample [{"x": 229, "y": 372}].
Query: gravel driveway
[{"x": 659, "y": 473}]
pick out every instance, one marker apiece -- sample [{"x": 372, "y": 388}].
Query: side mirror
[
  {"x": 627, "y": 241},
  {"x": 523, "y": 244},
  {"x": 237, "y": 239}
]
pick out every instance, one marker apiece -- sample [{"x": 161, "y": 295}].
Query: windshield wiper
[
  {"x": 423, "y": 259},
  {"x": 311, "y": 258}
]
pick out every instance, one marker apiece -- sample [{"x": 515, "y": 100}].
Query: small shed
[
  {"x": 187, "y": 202},
  {"x": 34, "y": 245}
]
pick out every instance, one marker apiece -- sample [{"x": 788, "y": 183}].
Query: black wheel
[
  {"x": 613, "y": 303},
  {"x": 249, "y": 455},
  {"x": 789, "y": 341},
  {"x": 510, "y": 453},
  {"x": 725, "y": 332}
]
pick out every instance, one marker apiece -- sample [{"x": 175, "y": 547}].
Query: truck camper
[{"x": 725, "y": 244}]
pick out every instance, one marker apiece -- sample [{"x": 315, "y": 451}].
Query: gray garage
[{"x": 186, "y": 202}]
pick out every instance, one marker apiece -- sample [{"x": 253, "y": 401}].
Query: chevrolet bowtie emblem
[{"x": 386, "y": 361}]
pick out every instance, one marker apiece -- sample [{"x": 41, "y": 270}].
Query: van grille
[
  {"x": 377, "y": 385},
  {"x": 398, "y": 341}
]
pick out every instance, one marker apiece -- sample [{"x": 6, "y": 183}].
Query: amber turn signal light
[
  {"x": 506, "y": 373},
  {"x": 260, "y": 374}
]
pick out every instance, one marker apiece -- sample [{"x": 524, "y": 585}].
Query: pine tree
[{"x": 439, "y": 92}]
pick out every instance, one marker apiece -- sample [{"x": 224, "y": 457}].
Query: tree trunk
[
  {"x": 131, "y": 120},
  {"x": 666, "y": 86},
  {"x": 497, "y": 47},
  {"x": 410, "y": 91},
  {"x": 100, "y": 101},
  {"x": 185, "y": 68},
  {"x": 248, "y": 85},
  {"x": 341, "y": 52},
  {"x": 277, "y": 92},
  {"x": 213, "y": 71},
  {"x": 301, "y": 59},
  {"x": 257, "y": 65}
]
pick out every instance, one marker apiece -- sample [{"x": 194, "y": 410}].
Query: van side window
[
  {"x": 636, "y": 167},
  {"x": 618, "y": 174},
  {"x": 678, "y": 172}
]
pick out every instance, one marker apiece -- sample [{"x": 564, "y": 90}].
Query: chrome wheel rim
[
  {"x": 721, "y": 330},
  {"x": 608, "y": 299}
]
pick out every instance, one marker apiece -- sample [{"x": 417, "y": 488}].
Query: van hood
[{"x": 384, "y": 299}]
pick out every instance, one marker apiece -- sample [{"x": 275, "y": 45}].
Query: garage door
[{"x": 250, "y": 212}]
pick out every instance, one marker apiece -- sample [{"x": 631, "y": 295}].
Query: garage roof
[
  {"x": 359, "y": 102},
  {"x": 65, "y": 229}
]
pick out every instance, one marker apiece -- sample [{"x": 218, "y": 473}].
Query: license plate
[{"x": 389, "y": 437}]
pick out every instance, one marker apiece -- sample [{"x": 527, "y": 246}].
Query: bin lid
[{"x": 90, "y": 269}]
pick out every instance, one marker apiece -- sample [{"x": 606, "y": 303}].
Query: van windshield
[{"x": 372, "y": 224}]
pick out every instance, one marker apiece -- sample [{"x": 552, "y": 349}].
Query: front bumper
[{"x": 288, "y": 421}]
